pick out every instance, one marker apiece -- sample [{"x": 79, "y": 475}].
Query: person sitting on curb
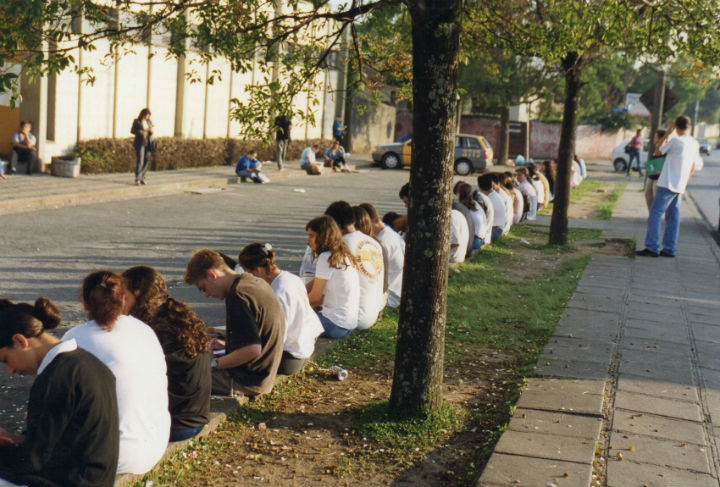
[
  {"x": 308, "y": 162},
  {"x": 255, "y": 326},
  {"x": 23, "y": 148},
  {"x": 485, "y": 184},
  {"x": 335, "y": 157},
  {"x": 249, "y": 167}
]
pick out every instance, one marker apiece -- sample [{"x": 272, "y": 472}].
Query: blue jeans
[
  {"x": 331, "y": 329},
  {"x": 184, "y": 434},
  {"x": 496, "y": 233},
  {"x": 634, "y": 154},
  {"x": 477, "y": 243},
  {"x": 668, "y": 203}
]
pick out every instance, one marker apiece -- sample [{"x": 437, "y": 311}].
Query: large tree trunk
[
  {"x": 417, "y": 382},
  {"x": 571, "y": 65},
  {"x": 504, "y": 148}
]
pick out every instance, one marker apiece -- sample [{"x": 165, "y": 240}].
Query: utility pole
[
  {"x": 658, "y": 105},
  {"x": 694, "y": 120}
]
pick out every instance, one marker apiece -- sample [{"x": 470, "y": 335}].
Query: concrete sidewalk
[
  {"x": 22, "y": 193},
  {"x": 627, "y": 391}
]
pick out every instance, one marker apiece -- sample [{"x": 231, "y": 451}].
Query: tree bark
[
  {"x": 418, "y": 376},
  {"x": 572, "y": 67},
  {"x": 504, "y": 148}
]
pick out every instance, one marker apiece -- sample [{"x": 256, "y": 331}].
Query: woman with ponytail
[
  {"x": 72, "y": 431},
  {"x": 184, "y": 340},
  {"x": 133, "y": 353}
]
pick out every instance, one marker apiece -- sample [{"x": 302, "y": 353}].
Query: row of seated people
[{"x": 113, "y": 391}]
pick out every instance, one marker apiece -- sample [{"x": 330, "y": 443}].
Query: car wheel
[
  {"x": 619, "y": 164},
  {"x": 463, "y": 167},
  {"x": 391, "y": 161}
]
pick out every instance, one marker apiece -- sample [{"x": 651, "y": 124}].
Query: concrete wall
[
  {"x": 487, "y": 127},
  {"x": 9, "y": 118},
  {"x": 373, "y": 127}
]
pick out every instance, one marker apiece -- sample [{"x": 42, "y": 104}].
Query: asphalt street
[{"x": 704, "y": 188}]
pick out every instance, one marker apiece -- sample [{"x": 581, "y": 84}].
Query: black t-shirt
[
  {"x": 189, "y": 382},
  {"x": 282, "y": 124},
  {"x": 254, "y": 317},
  {"x": 73, "y": 434}
]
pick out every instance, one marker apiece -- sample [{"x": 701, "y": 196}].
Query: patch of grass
[
  {"x": 606, "y": 207},
  {"x": 585, "y": 188}
]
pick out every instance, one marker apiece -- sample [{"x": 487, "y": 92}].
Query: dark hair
[
  {"x": 465, "y": 195},
  {"x": 389, "y": 217},
  {"x": 485, "y": 181},
  {"x": 229, "y": 261},
  {"x": 163, "y": 313},
  {"x": 316, "y": 146},
  {"x": 404, "y": 191},
  {"x": 532, "y": 169},
  {"x": 23, "y": 123},
  {"x": 342, "y": 213},
  {"x": 682, "y": 122},
  {"x": 26, "y": 319},
  {"x": 660, "y": 133},
  {"x": 252, "y": 151},
  {"x": 102, "y": 293},
  {"x": 257, "y": 255},
  {"x": 456, "y": 188},
  {"x": 371, "y": 211},
  {"x": 362, "y": 220},
  {"x": 143, "y": 112},
  {"x": 329, "y": 239},
  {"x": 523, "y": 170}
]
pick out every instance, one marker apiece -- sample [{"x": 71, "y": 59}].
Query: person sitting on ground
[
  {"x": 184, "y": 341},
  {"x": 134, "y": 355},
  {"x": 464, "y": 193},
  {"x": 485, "y": 184},
  {"x": 335, "y": 157},
  {"x": 369, "y": 256},
  {"x": 401, "y": 223},
  {"x": 486, "y": 205},
  {"x": 395, "y": 221},
  {"x": 540, "y": 189},
  {"x": 308, "y": 162},
  {"x": 72, "y": 432},
  {"x": 581, "y": 165},
  {"x": 255, "y": 326},
  {"x": 302, "y": 324},
  {"x": 334, "y": 292},
  {"x": 652, "y": 173},
  {"x": 23, "y": 148},
  {"x": 468, "y": 220},
  {"x": 249, "y": 167},
  {"x": 459, "y": 232},
  {"x": 522, "y": 175},
  {"x": 394, "y": 247},
  {"x": 518, "y": 203},
  {"x": 2, "y": 173},
  {"x": 575, "y": 173},
  {"x": 506, "y": 197},
  {"x": 364, "y": 225},
  {"x": 548, "y": 169}
]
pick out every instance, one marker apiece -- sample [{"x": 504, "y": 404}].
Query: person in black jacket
[
  {"x": 72, "y": 433},
  {"x": 184, "y": 340},
  {"x": 142, "y": 129}
]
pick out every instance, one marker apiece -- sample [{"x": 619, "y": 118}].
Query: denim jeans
[
  {"x": 634, "y": 154},
  {"x": 668, "y": 203},
  {"x": 331, "y": 329},
  {"x": 496, "y": 233},
  {"x": 184, "y": 434}
]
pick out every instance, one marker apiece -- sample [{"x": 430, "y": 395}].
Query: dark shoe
[
  {"x": 665, "y": 253},
  {"x": 243, "y": 179},
  {"x": 142, "y": 182},
  {"x": 646, "y": 253}
]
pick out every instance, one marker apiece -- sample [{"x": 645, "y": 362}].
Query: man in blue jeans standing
[{"x": 682, "y": 158}]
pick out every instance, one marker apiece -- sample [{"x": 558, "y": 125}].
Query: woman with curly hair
[
  {"x": 184, "y": 340},
  {"x": 335, "y": 290}
]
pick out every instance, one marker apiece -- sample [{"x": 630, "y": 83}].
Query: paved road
[{"x": 705, "y": 189}]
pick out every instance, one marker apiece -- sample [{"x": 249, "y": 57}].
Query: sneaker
[
  {"x": 665, "y": 253},
  {"x": 646, "y": 253}
]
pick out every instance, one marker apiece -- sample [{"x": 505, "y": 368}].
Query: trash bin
[{"x": 66, "y": 166}]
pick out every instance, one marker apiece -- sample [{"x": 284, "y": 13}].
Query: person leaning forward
[
  {"x": 255, "y": 326},
  {"x": 23, "y": 148}
]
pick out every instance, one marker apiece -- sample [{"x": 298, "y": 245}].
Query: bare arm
[
  {"x": 315, "y": 294},
  {"x": 239, "y": 357}
]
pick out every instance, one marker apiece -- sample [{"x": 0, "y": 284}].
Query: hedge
[{"x": 108, "y": 155}]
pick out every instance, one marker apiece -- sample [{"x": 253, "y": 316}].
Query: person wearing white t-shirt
[
  {"x": 308, "y": 161},
  {"x": 485, "y": 183},
  {"x": 458, "y": 237},
  {"x": 302, "y": 325},
  {"x": 464, "y": 193},
  {"x": 507, "y": 200},
  {"x": 369, "y": 257},
  {"x": 682, "y": 158},
  {"x": 484, "y": 202},
  {"x": 131, "y": 350},
  {"x": 528, "y": 190},
  {"x": 394, "y": 246},
  {"x": 334, "y": 292}
]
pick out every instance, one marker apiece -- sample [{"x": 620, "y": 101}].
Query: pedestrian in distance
[
  {"x": 338, "y": 129},
  {"x": 23, "y": 149},
  {"x": 142, "y": 129},
  {"x": 682, "y": 158},
  {"x": 283, "y": 126},
  {"x": 636, "y": 145}
]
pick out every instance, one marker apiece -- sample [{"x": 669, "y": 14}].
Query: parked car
[
  {"x": 620, "y": 158},
  {"x": 472, "y": 153},
  {"x": 705, "y": 146}
]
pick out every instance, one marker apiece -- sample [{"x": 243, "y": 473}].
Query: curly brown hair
[
  {"x": 329, "y": 239},
  {"x": 161, "y": 312}
]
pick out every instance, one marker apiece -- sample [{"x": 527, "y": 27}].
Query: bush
[{"x": 109, "y": 155}]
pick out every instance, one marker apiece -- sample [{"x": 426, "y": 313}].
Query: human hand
[
  {"x": 217, "y": 344},
  {"x": 8, "y": 439}
]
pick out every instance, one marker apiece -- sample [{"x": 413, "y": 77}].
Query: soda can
[{"x": 341, "y": 373}]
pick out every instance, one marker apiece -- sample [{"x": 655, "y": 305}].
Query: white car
[{"x": 620, "y": 158}]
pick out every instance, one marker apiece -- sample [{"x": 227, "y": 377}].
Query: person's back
[
  {"x": 499, "y": 209},
  {"x": 134, "y": 355},
  {"x": 459, "y": 233},
  {"x": 307, "y": 157},
  {"x": 682, "y": 153},
  {"x": 369, "y": 254},
  {"x": 470, "y": 223},
  {"x": 489, "y": 213},
  {"x": 395, "y": 247}
]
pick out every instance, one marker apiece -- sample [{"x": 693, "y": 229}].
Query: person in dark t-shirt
[
  {"x": 255, "y": 325},
  {"x": 282, "y": 138}
]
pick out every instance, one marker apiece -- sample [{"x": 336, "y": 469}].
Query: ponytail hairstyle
[
  {"x": 25, "y": 319},
  {"x": 465, "y": 195},
  {"x": 329, "y": 239},
  {"x": 163, "y": 313},
  {"x": 103, "y": 293},
  {"x": 257, "y": 255}
]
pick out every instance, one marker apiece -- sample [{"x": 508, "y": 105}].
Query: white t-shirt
[
  {"x": 133, "y": 353},
  {"x": 527, "y": 189},
  {"x": 681, "y": 153},
  {"x": 459, "y": 234},
  {"x": 499, "y": 209},
  {"x": 341, "y": 300},
  {"x": 509, "y": 210},
  {"x": 489, "y": 214},
  {"x": 395, "y": 247},
  {"x": 539, "y": 190},
  {"x": 307, "y": 157},
  {"x": 302, "y": 325},
  {"x": 480, "y": 220},
  {"x": 369, "y": 253}
]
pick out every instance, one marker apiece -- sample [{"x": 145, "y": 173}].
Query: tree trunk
[
  {"x": 504, "y": 148},
  {"x": 572, "y": 66},
  {"x": 418, "y": 377}
]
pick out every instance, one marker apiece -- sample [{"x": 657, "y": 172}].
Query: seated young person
[
  {"x": 72, "y": 430},
  {"x": 184, "y": 340},
  {"x": 335, "y": 157},
  {"x": 394, "y": 246},
  {"x": 308, "y": 162},
  {"x": 302, "y": 325},
  {"x": 464, "y": 194},
  {"x": 133, "y": 353},
  {"x": 485, "y": 185},
  {"x": 334, "y": 292},
  {"x": 255, "y": 326},
  {"x": 458, "y": 237},
  {"x": 249, "y": 167},
  {"x": 528, "y": 191}
]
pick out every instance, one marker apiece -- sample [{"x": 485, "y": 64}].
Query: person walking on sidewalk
[
  {"x": 142, "y": 129},
  {"x": 636, "y": 145},
  {"x": 682, "y": 158},
  {"x": 282, "y": 139}
]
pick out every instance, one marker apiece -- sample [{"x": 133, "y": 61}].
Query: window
[{"x": 472, "y": 143}]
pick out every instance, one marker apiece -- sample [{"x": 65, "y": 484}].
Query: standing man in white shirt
[
  {"x": 682, "y": 158},
  {"x": 23, "y": 148}
]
